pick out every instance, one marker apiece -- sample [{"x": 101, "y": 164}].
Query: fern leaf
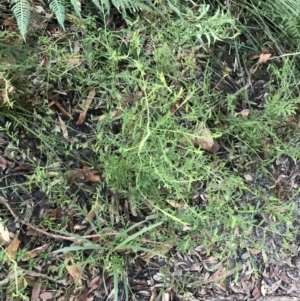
[
  {"x": 58, "y": 7},
  {"x": 98, "y": 5},
  {"x": 77, "y": 6},
  {"x": 105, "y": 4},
  {"x": 174, "y": 8},
  {"x": 132, "y": 5},
  {"x": 21, "y": 11}
]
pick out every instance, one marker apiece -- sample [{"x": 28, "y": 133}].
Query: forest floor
[{"x": 150, "y": 156}]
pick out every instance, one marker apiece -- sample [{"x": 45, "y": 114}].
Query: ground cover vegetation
[{"x": 149, "y": 150}]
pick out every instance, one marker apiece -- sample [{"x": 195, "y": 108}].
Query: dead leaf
[
  {"x": 153, "y": 294},
  {"x": 165, "y": 297},
  {"x": 86, "y": 105},
  {"x": 278, "y": 190},
  {"x": 253, "y": 57},
  {"x": 126, "y": 210},
  {"x": 9, "y": 22},
  {"x": 248, "y": 177},
  {"x": 7, "y": 90},
  {"x": 161, "y": 249},
  {"x": 218, "y": 273},
  {"x": 63, "y": 128},
  {"x": 73, "y": 174},
  {"x": 254, "y": 251},
  {"x": 264, "y": 57},
  {"x": 75, "y": 270},
  {"x": 47, "y": 295},
  {"x": 13, "y": 247},
  {"x": 59, "y": 106},
  {"x": 35, "y": 252},
  {"x": 133, "y": 208},
  {"x": 202, "y": 138},
  {"x": 74, "y": 61},
  {"x": 256, "y": 293},
  {"x": 186, "y": 228},
  {"x": 244, "y": 113},
  {"x": 38, "y": 9},
  {"x": 175, "y": 204},
  {"x": 111, "y": 296},
  {"x": 90, "y": 175},
  {"x": 91, "y": 215},
  {"x": 4, "y": 235},
  {"x": 36, "y": 291}
]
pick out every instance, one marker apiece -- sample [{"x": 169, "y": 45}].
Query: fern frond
[
  {"x": 77, "y": 6},
  {"x": 132, "y": 5},
  {"x": 106, "y": 4},
  {"x": 21, "y": 10},
  {"x": 98, "y": 5},
  {"x": 58, "y": 7},
  {"x": 214, "y": 27}
]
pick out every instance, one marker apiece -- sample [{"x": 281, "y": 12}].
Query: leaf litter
[{"x": 254, "y": 274}]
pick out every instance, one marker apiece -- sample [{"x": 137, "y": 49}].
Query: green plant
[
  {"x": 157, "y": 184},
  {"x": 22, "y": 9}
]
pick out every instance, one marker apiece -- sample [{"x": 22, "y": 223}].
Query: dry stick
[
  {"x": 5, "y": 201},
  {"x": 283, "y": 55}
]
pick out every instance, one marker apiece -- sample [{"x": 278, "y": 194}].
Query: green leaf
[
  {"x": 135, "y": 235},
  {"x": 58, "y": 7},
  {"x": 77, "y": 6},
  {"x": 21, "y": 11}
]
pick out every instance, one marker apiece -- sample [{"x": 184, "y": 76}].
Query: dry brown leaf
[
  {"x": 256, "y": 293},
  {"x": 186, "y": 228},
  {"x": 4, "y": 163},
  {"x": 60, "y": 107},
  {"x": 75, "y": 270},
  {"x": 4, "y": 235},
  {"x": 63, "y": 128},
  {"x": 248, "y": 177},
  {"x": 133, "y": 208},
  {"x": 111, "y": 296},
  {"x": 244, "y": 113},
  {"x": 161, "y": 249},
  {"x": 253, "y": 57},
  {"x": 175, "y": 204},
  {"x": 218, "y": 273},
  {"x": 90, "y": 175},
  {"x": 153, "y": 294},
  {"x": 86, "y": 105},
  {"x": 74, "y": 173},
  {"x": 165, "y": 297},
  {"x": 35, "y": 252},
  {"x": 254, "y": 251},
  {"x": 264, "y": 57},
  {"x": 278, "y": 189},
  {"x": 47, "y": 295},
  {"x": 74, "y": 61},
  {"x": 91, "y": 215},
  {"x": 9, "y": 22},
  {"x": 95, "y": 283},
  {"x": 36, "y": 291},
  {"x": 13, "y": 247},
  {"x": 38, "y": 8},
  {"x": 8, "y": 89},
  {"x": 204, "y": 139}
]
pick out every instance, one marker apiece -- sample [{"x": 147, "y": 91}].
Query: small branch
[
  {"x": 52, "y": 235},
  {"x": 283, "y": 55}
]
